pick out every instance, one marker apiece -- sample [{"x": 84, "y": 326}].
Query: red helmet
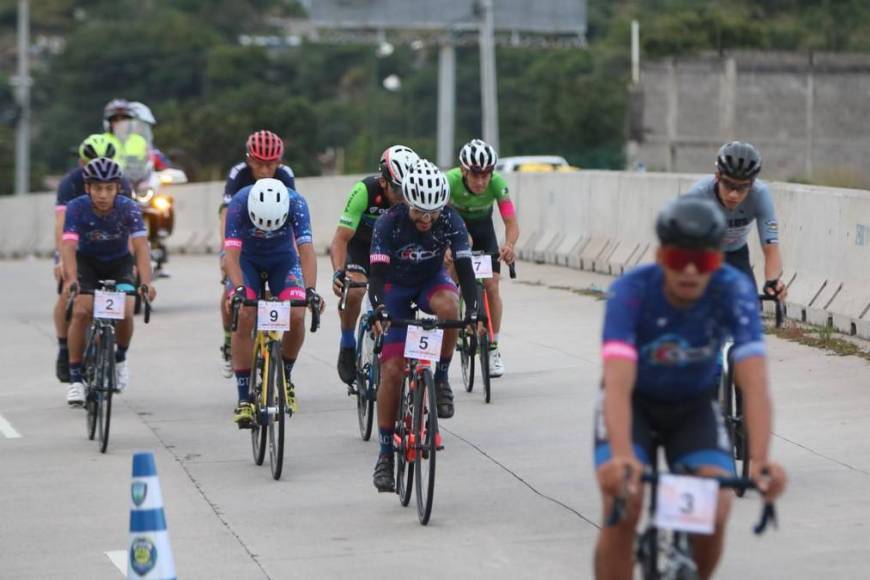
[{"x": 265, "y": 146}]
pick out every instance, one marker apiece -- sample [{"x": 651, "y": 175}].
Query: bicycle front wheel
[
  {"x": 89, "y": 364},
  {"x": 425, "y": 436},
  {"x": 276, "y": 410},
  {"x": 258, "y": 426},
  {"x": 404, "y": 471},
  {"x": 367, "y": 370},
  {"x": 483, "y": 340},
  {"x": 466, "y": 357},
  {"x": 106, "y": 386}
]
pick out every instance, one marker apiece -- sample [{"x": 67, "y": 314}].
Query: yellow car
[{"x": 535, "y": 164}]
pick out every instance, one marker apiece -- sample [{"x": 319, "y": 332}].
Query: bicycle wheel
[
  {"x": 425, "y": 436},
  {"x": 367, "y": 370},
  {"x": 258, "y": 426},
  {"x": 741, "y": 440},
  {"x": 106, "y": 386},
  {"x": 647, "y": 553},
  {"x": 466, "y": 357},
  {"x": 276, "y": 410},
  {"x": 89, "y": 365},
  {"x": 404, "y": 471},
  {"x": 484, "y": 366}
]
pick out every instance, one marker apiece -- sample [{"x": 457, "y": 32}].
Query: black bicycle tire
[
  {"x": 404, "y": 471},
  {"x": 485, "y": 378},
  {"x": 107, "y": 385},
  {"x": 649, "y": 545},
  {"x": 99, "y": 369},
  {"x": 276, "y": 395},
  {"x": 466, "y": 357},
  {"x": 364, "y": 401},
  {"x": 258, "y": 431},
  {"x": 90, "y": 393},
  {"x": 742, "y": 441},
  {"x": 425, "y": 413}
]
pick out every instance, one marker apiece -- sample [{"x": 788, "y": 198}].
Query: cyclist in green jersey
[
  {"x": 369, "y": 199},
  {"x": 474, "y": 188}
]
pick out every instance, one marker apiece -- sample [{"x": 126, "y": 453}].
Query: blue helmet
[{"x": 102, "y": 169}]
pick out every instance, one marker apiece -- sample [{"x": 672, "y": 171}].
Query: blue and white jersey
[
  {"x": 241, "y": 176},
  {"x": 414, "y": 256},
  {"x": 73, "y": 185},
  {"x": 103, "y": 237},
  {"x": 240, "y": 231},
  {"x": 676, "y": 349},
  {"x": 758, "y": 207}
]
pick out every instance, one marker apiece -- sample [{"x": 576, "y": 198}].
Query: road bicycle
[{"x": 368, "y": 369}]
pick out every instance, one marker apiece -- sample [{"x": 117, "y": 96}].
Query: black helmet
[
  {"x": 691, "y": 222},
  {"x": 102, "y": 169},
  {"x": 739, "y": 160}
]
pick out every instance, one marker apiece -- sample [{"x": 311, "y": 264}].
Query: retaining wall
[{"x": 591, "y": 220}]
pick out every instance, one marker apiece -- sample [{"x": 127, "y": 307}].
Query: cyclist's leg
[
  {"x": 699, "y": 442},
  {"x": 440, "y": 296},
  {"x": 224, "y": 306},
  {"x": 614, "y": 551},
  {"x": 61, "y": 328},
  {"x": 242, "y": 343},
  {"x": 83, "y": 308},
  {"x": 285, "y": 281},
  {"x": 397, "y": 300}
]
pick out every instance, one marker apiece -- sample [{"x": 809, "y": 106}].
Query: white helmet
[
  {"x": 478, "y": 155},
  {"x": 268, "y": 204},
  {"x": 142, "y": 112},
  {"x": 425, "y": 187},
  {"x": 395, "y": 162}
]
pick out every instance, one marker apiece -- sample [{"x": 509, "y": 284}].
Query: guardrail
[{"x": 598, "y": 221}]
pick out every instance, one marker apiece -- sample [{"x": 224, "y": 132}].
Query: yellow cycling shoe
[
  {"x": 244, "y": 415},
  {"x": 290, "y": 393}
]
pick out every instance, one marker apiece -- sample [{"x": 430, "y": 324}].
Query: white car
[{"x": 533, "y": 163}]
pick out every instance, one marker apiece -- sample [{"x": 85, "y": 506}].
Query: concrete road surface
[{"x": 515, "y": 494}]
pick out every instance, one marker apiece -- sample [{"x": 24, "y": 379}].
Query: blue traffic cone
[{"x": 150, "y": 556}]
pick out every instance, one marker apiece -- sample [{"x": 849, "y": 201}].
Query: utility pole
[
  {"x": 488, "y": 84},
  {"x": 22, "y": 83},
  {"x": 446, "y": 101}
]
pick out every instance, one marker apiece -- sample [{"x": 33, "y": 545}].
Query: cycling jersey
[
  {"x": 365, "y": 204},
  {"x": 73, "y": 185},
  {"x": 677, "y": 349},
  {"x": 103, "y": 237},
  {"x": 413, "y": 256},
  {"x": 757, "y": 206},
  {"x": 478, "y": 206},
  {"x": 240, "y": 232},
  {"x": 241, "y": 176}
]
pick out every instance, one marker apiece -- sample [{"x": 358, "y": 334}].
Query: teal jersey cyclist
[
  {"x": 369, "y": 199},
  {"x": 475, "y": 188}
]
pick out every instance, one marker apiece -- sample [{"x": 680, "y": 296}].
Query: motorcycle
[{"x": 158, "y": 211}]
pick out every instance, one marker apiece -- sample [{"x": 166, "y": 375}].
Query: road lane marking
[
  {"x": 119, "y": 559},
  {"x": 8, "y": 430}
]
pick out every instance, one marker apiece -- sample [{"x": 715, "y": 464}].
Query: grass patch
[{"x": 819, "y": 337}]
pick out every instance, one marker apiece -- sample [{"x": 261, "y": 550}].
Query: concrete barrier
[{"x": 592, "y": 220}]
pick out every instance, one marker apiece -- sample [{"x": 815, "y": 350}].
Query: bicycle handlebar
[
  {"x": 425, "y": 323},
  {"x": 346, "y": 285},
  {"x": 768, "y": 510},
  {"x": 779, "y": 313},
  {"x": 311, "y": 304}
]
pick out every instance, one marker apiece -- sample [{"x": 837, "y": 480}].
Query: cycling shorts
[
  {"x": 739, "y": 259},
  {"x": 692, "y": 433},
  {"x": 398, "y": 300},
  {"x": 282, "y": 271},
  {"x": 92, "y": 270},
  {"x": 483, "y": 239}
]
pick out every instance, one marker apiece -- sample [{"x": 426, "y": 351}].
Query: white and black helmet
[
  {"x": 478, "y": 156},
  {"x": 395, "y": 161},
  {"x": 425, "y": 188},
  {"x": 268, "y": 204}
]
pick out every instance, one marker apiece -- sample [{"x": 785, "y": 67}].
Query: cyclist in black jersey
[{"x": 369, "y": 199}]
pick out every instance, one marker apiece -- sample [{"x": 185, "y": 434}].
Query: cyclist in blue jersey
[
  {"x": 407, "y": 265},
  {"x": 268, "y": 233},
  {"x": 663, "y": 329},
  {"x": 71, "y": 187},
  {"x": 264, "y": 151},
  {"x": 98, "y": 231},
  {"x": 745, "y": 199}
]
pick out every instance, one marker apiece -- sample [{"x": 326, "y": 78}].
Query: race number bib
[
  {"x": 482, "y": 265},
  {"x": 273, "y": 316},
  {"x": 423, "y": 344},
  {"x": 109, "y": 305},
  {"x": 686, "y": 504}
]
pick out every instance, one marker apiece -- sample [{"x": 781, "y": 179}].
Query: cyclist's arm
[
  {"x": 379, "y": 260},
  {"x": 59, "y": 216},
  {"x": 461, "y": 250},
  {"x": 222, "y": 218},
  {"x": 751, "y": 376},
  {"x": 301, "y": 220},
  {"x": 233, "y": 245},
  {"x": 768, "y": 233},
  {"x": 69, "y": 244},
  {"x": 772, "y": 262},
  {"x": 308, "y": 260},
  {"x": 348, "y": 223},
  {"x": 507, "y": 210}
]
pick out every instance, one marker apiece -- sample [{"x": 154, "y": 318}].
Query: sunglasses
[
  {"x": 480, "y": 172},
  {"x": 418, "y": 214},
  {"x": 734, "y": 186},
  {"x": 705, "y": 261}
]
